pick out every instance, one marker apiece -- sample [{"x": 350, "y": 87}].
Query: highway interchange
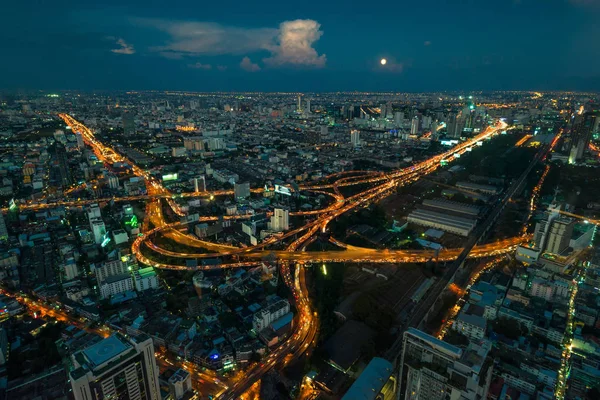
[{"x": 305, "y": 330}]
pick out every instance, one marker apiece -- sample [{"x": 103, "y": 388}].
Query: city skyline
[{"x": 429, "y": 46}]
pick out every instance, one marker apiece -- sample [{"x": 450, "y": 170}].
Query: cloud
[
  {"x": 199, "y": 65},
  {"x": 124, "y": 48},
  {"x": 248, "y": 65},
  {"x": 296, "y": 39},
  {"x": 206, "y": 38},
  {"x": 290, "y": 44}
]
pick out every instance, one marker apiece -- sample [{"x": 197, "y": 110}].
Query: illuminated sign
[
  {"x": 133, "y": 222},
  {"x": 449, "y": 142},
  {"x": 282, "y": 190},
  {"x": 106, "y": 240},
  {"x": 169, "y": 177}
]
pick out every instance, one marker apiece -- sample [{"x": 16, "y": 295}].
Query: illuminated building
[
  {"x": 3, "y": 230},
  {"x": 280, "y": 221},
  {"x": 145, "y": 279},
  {"x": 581, "y": 132},
  {"x": 241, "y": 190},
  {"x": 414, "y": 126},
  {"x": 355, "y": 138},
  {"x": 200, "y": 184},
  {"x": 116, "y": 368},
  {"x": 180, "y": 383},
  {"x": 268, "y": 315},
  {"x": 128, "y": 124},
  {"x": 98, "y": 230},
  {"x": 115, "y": 284},
  {"x": 431, "y": 369},
  {"x": 110, "y": 268}
]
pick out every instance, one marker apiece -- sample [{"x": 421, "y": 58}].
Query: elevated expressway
[{"x": 306, "y": 324}]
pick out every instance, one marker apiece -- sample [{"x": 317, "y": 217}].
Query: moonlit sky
[{"x": 300, "y": 45}]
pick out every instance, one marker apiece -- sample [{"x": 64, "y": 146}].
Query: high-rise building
[
  {"x": 280, "y": 221},
  {"x": 398, "y": 118},
  {"x": 559, "y": 235},
  {"x": 80, "y": 142},
  {"x": 307, "y": 106},
  {"x": 299, "y": 106},
  {"x": 355, "y": 138},
  {"x": 581, "y": 132},
  {"x": 414, "y": 125},
  {"x": 98, "y": 229},
  {"x": 3, "y": 230},
  {"x": 553, "y": 232},
  {"x": 431, "y": 369},
  {"x": 128, "y": 124},
  {"x": 241, "y": 190},
  {"x": 116, "y": 368},
  {"x": 200, "y": 184}
]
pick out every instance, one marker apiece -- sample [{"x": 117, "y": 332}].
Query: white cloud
[
  {"x": 296, "y": 39},
  {"x": 248, "y": 65},
  {"x": 290, "y": 44},
  {"x": 206, "y": 38},
  {"x": 124, "y": 48},
  {"x": 199, "y": 65}
]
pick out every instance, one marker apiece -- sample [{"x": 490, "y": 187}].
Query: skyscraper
[
  {"x": 581, "y": 132},
  {"x": 431, "y": 369},
  {"x": 3, "y": 230},
  {"x": 280, "y": 221},
  {"x": 80, "y": 142},
  {"x": 355, "y": 137},
  {"x": 241, "y": 190},
  {"x": 414, "y": 126},
  {"x": 299, "y": 106},
  {"x": 307, "y": 106},
  {"x": 128, "y": 124},
  {"x": 116, "y": 368}
]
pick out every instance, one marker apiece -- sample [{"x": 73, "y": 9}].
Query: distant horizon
[{"x": 544, "y": 45}]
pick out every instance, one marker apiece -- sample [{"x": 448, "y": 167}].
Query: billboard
[
  {"x": 282, "y": 190},
  {"x": 169, "y": 177}
]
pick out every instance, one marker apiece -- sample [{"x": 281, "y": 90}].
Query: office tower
[
  {"x": 128, "y": 124},
  {"x": 3, "y": 230},
  {"x": 116, "y": 368},
  {"x": 431, "y": 369},
  {"x": 299, "y": 106},
  {"x": 80, "y": 142},
  {"x": 581, "y": 132},
  {"x": 280, "y": 221},
  {"x": 559, "y": 235},
  {"x": 180, "y": 383},
  {"x": 308, "y": 106},
  {"x": 355, "y": 138},
  {"x": 93, "y": 211},
  {"x": 414, "y": 126},
  {"x": 398, "y": 118},
  {"x": 98, "y": 229},
  {"x": 200, "y": 184},
  {"x": 241, "y": 190},
  {"x": 542, "y": 228}
]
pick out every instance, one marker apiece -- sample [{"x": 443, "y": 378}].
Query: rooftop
[{"x": 104, "y": 350}]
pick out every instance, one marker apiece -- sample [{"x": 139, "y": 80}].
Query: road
[{"x": 306, "y": 323}]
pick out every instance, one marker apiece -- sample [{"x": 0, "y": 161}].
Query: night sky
[{"x": 300, "y": 45}]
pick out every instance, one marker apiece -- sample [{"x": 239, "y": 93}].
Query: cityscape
[{"x": 277, "y": 228}]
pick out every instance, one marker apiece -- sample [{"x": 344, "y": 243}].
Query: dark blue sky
[{"x": 301, "y": 45}]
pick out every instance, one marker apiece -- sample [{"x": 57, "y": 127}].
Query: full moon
[{"x": 383, "y": 61}]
